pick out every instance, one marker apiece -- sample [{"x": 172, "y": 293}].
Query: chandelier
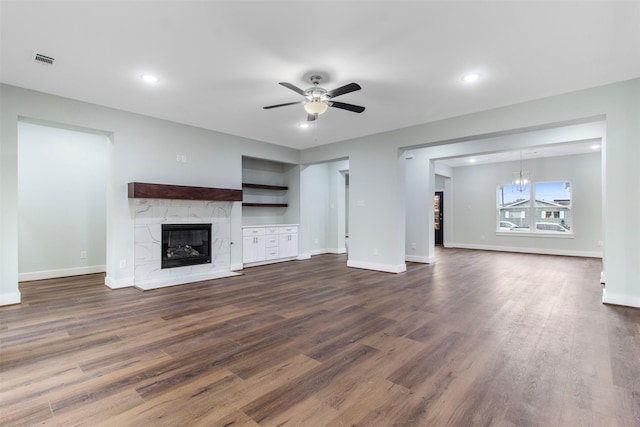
[{"x": 520, "y": 180}]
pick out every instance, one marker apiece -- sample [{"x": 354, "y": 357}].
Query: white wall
[
  {"x": 61, "y": 168},
  {"x": 337, "y": 206},
  {"x": 316, "y": 205},
  {"x": 474, "y": 206}
]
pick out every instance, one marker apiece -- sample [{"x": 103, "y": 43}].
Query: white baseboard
[
  {"x": 306, "y": 255},
  {"x": 377, "y": 267},
  {"x": 125, "y": 282},
  {"x": 541, "y": 251},
  {"x": 64, "y": 272},
  {"x": 10, "y": 298},
  {"x": 602, "y": 278},
  {"x": 336, "y": 251},
  {"x": 182, "y": 280},
  {"x": 618, "y": 299},
  {"x": 420, "y": 259}
]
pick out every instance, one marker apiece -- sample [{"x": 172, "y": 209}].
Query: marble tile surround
[{"x": 150, "y": 214}]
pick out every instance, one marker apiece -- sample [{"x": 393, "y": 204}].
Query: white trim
[
  {"x": 602, "y": 278},
  {"x": 420, "y": 259},
  {"x": 172, "y": 281},
  {"x": 236, "y": 266},
  {"x": 64, "y": 272},
  {"x": 337, "y": 251},
  {"x": 400, "y": 268},
  {"x": 271, "y": 261},
  {"x": 619, "y": 299},
  {"x": 555, "y": 235},
  {"x": 10, "y": 299},
  {"x": 306, "y": 255},
  {"x": 542, "y": 251},
  {"x": 125, "y": 282}
]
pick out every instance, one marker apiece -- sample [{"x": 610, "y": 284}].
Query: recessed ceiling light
[
  {"x": 304, "y": 125},
  {"x": 470, "y": 78},
  {"x": 595, "y": 146},
  {"x": 149, "y": 78},
  {"x": 472, "y": 160}
]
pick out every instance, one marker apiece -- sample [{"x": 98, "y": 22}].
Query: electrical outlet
[
  {"x": 600, "y": 243},
  {"x": 83, "y": 254},
  {"x": 375, "y": 251},
  {"x": 123, "y": 263},
  {"x": 413, "y": 246}
]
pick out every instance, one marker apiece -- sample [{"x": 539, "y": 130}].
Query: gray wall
[
  {"x": 376, "y": 174},
  {"x": 142, "y": 149},
  {"x": 62, "y": 186},
  {"x": 474, "y": 206},
  {"x": 323, "y": 206}
]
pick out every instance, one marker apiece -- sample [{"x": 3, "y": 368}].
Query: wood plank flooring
[{"x": 478, "y": 338}]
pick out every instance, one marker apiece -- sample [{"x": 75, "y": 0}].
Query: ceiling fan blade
[
  {"x": 311, "y": 117},
  {"x": 351, "y": 87},
  {"x": 282, "y": 105},
  {"x": 344, "y": 106},
  {"x": 293, "y": 88}
]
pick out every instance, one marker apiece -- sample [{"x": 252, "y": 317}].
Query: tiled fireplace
[{"x": 150, "y": 216}]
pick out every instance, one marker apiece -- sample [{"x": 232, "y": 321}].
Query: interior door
[{"x": 438, "y": 216}]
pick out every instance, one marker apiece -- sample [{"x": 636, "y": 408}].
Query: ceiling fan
[{"x": 318, "y": 100}]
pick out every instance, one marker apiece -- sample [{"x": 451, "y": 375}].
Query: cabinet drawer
[
  {"x": 272, "y": 230},
  {"x": 288, "y": 230},
  {"x": 253, "y": 231},
  {"x": 272, "y": 253},
  {"x": 272, "y": 241}
]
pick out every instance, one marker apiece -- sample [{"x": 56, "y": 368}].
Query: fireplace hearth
[{"x": 185, "y": 244}]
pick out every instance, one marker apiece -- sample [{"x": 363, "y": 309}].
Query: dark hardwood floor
[{"x": 478, "y": 338}]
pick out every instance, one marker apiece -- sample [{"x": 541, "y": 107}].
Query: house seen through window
[{"x": 550, "y": 211}]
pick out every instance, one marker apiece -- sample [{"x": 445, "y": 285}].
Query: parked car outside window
[
  {"x": 507, "y": 225},
  {"x": 550, "y": 226}
]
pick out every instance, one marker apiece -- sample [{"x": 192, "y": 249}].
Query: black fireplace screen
[{"x": 185, "y": 244}]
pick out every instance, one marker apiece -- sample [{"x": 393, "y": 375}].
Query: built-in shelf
[
  {"x": 266, "y": 205},
  {"x": 141, "y": 190},
  {"x": 264, "y": 187}
]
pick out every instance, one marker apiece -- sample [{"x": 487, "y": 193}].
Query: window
[{"x": 549, "y": 213}]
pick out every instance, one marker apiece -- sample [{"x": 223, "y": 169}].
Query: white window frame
[{"x": 533, "y": 230}]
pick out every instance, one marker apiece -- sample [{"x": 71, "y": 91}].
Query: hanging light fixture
[{"x": 520, "y": 179}]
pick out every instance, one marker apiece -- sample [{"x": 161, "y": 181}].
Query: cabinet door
[
  {"x": 288, "y": 245},
  {"x": 253, "y": 249}
]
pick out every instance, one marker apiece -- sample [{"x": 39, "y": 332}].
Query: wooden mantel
[{"x": 141, "y": 190}]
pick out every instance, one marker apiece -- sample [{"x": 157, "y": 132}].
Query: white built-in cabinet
[{"x": 269, "y": 243}]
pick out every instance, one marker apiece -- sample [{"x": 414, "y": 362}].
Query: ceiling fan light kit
[
  {"x": 318, "y": 100},
  {"x": 316, "y": 106}
]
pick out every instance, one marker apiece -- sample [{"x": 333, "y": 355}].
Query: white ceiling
[
  {"x": 219, "y": 62},
  {"x": 538, "y": 152}
]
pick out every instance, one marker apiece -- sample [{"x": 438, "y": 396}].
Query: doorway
[
  {"x": 438, "y": 216},
  {"x": 62, "y": 190}
]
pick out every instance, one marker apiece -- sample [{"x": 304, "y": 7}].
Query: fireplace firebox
[{"x": 185, "y": 244}]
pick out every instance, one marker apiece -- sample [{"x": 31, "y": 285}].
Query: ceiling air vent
[{"x": 43, "y": 59}]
